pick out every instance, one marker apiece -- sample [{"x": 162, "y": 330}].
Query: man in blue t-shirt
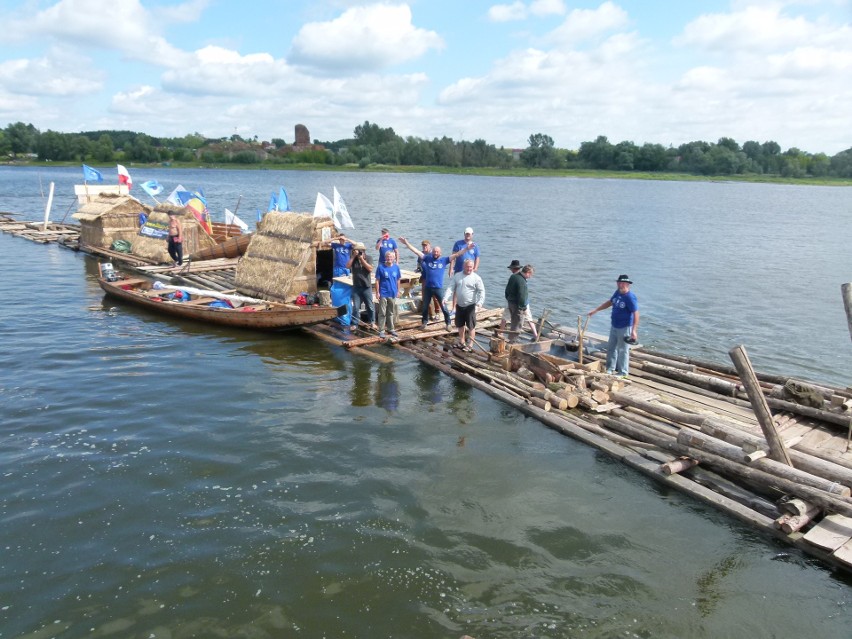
[
  {"x": 387, "y": 290},
  {"x": 471, "y": 252},
  {"x": 384, "y": 244},
  {"x": 342, "y": 249},
  {"x": 433, "y": 267},
  {"x": 625, "y": 326}
]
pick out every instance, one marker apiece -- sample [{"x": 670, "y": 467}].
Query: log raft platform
[
  {"x": 773, "y": 452},
  {"x": 39, "y": 231}
]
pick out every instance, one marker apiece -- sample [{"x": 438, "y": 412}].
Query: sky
[{"x": 658, "y": 71}]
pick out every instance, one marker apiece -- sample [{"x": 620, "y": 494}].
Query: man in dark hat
[
  {"x": 624, "y": 326},
  {"x": 515, "y": 267},
  {"x": 517, "y": 298}
]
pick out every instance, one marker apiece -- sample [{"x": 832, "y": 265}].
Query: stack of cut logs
[{"x": 552, "y": 384}]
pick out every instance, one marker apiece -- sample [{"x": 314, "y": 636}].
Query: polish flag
[{"x": 124, "y": 176}]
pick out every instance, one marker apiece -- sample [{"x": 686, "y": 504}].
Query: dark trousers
[
  {"x": 515, "y": 324},
  {"x": 430, "y": 293},
  {"x": 362, "y": 294},
  {"x": 176, "y": 250}
]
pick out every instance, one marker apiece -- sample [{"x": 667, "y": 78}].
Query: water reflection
[
  {"x": 360, "y": 393},
  {"x": 387, "y": 389},
  {"x": 428, "y": 381}
]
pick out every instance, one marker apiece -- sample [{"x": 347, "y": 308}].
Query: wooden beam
[{"x": 777, "y": 450}]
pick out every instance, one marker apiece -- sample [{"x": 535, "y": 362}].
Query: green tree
[
  {"x": 104, "y": 151},
  {"x": 53, "y": 146},
  {"x": 81, "y": 147},
  {"x": 22, "y": 138},
  {"x": 540, "y": 152},
  {"x": 599, "y": 154}
]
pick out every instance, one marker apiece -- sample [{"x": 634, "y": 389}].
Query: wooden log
[
  {"x": 801, "y": 459},
  {"x": 708, "y": 382},
  {"x": 701, "y": 441},
  {"x": 777, "y": 450},
  {"x": 678, "y": 465},
  {"x": 796, "y": 506},
  {"x": 794, "y": 523},
  {"x": 827, "y": 501},
  {"x": 601, "y": 397},
  {"x": 543, "y": 404}
]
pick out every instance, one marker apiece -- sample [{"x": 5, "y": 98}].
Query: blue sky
[{"x": 642, "y": 70}]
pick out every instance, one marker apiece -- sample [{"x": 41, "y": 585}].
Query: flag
[
  {"x": 259, "y": 215},
  {"x": 197, "y": 203},
  {"x": 124, "y": 176},
  {"x": 283, "y": 200},
  {"x": 323, "y": 207},
  {"x": 152, "y": 187},
  {"x": 173, "y": 196},
  {"x": 231, "y": 218},
  {"x": 91, "y": 175},
  {"x": 341, "y": 213},
  {"x": 273, "y": 203}
]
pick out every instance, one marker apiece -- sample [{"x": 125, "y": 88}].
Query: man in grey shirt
[{"x": 468, "y": 295}]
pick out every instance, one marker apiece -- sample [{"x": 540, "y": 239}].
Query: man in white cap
[
  {"x": 472, "y": 253},
  {"x": 624, "y": 326}
]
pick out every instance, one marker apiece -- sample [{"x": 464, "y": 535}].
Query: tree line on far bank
[{"x": 372, "y": 144}]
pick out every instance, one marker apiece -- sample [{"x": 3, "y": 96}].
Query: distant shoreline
[{"x": 479, "y": 171}]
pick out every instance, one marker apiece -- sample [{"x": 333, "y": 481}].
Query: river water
[{"x": 161, "y": 479}]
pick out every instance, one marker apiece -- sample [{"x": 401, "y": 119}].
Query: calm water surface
[{"x": 160, "y": 480}]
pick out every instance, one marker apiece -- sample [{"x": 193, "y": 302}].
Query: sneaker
[
  {"x": 449, "y": 326},
  {"x": 622, "y": 375},
  {"x": 610, "y": 372},
  {"x": 382, "y": 334},
  {"x": 394, "y": 333},
  {"x": 424, "y": 326}
]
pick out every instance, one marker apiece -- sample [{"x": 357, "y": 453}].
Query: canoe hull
[
  {"x": 231, "y": 247},
  {"x": 266, "y": 317}
]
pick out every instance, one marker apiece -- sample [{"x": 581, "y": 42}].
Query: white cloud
[
  {"x": 58, "y": 73},
  {"x": 507, "y": 12},
  {"x": 120, "y": 26},
  {"x": 363, "y": 39},
  {"x": 547, "y": 7},
  {"x": 755, "y": 28},
  {"x": 585, "y": 25}
]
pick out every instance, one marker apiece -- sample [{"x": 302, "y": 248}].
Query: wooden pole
[
  {"x": 50, "y": 203},
  {"x": 777, "y": 450},
  {"x": 846, "y": 291}
]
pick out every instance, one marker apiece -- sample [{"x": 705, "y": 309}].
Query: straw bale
[
  {"x": 281, "y": 252},
  {"x": 109, "y": 217},
  {"x": 195, "y": 237}
]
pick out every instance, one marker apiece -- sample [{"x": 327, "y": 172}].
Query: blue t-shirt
[
  {"x": 471, "y": 254},
  {"x": 385, "y": 246},
  {"x": 433, "y": 269},
  {"x": 623, "y": 307},
  {"x": 388, "y": 279},
  {"x": 342, "y": 252}
]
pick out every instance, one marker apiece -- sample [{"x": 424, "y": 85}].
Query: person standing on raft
[{"x": 624, "y": 328}]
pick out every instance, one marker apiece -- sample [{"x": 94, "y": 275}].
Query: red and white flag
[{"x": 124, "y": 176}]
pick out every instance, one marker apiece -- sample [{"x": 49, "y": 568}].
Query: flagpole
[{"x": 236, "y": 208}]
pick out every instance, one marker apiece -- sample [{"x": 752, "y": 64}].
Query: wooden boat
[
  {"x": 245, "y": 312},
  {"x": 234, "y": 246}
]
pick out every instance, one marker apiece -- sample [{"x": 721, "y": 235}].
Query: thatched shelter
[
  {"x": 107, "y": 217},
  {"x": 195, "y": 238},
  {"x": 288, "y": 255}
]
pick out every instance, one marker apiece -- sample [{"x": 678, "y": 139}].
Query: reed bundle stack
[
  {"x": 107, "y": 217},
  {"x": 281, "y": 261}
]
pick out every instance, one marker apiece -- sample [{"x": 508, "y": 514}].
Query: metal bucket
[{"x": 108, "y": 272}]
